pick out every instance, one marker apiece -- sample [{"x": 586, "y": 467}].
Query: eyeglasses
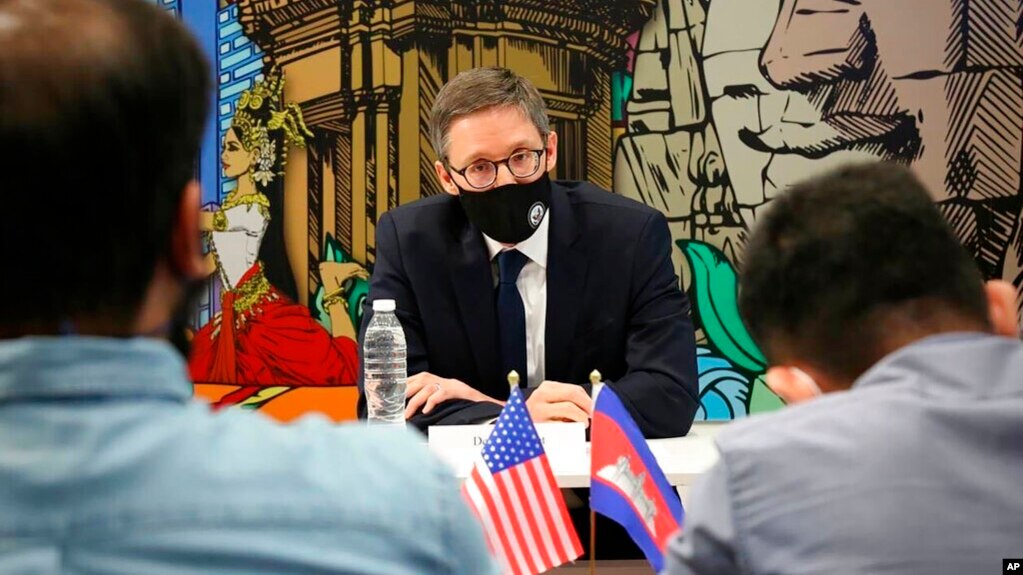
[{"x": 482, "y": 174}]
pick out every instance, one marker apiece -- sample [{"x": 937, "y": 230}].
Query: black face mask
[{"x": 510, "y": 213}]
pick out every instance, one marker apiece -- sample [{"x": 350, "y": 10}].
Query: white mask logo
[{"x": 536, "y": 213}]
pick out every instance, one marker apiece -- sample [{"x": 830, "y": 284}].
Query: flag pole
[
  {"x": 593, "y": 542},
  {"x": 595, "y": 378}
]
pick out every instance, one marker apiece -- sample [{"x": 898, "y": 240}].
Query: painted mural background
[{"x": 704, "y": 109}]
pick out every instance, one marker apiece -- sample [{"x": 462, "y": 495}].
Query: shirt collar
[
  {"x": 931, "y": 355},
  {"x": 534, "y": 247},
  {"x": 81, "y": 366}
]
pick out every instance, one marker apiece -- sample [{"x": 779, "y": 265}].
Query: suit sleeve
[
  {"x": 389, "y": 281},
  {"x": 707, "y": 545},
  {"x": 660, "y": 386}
]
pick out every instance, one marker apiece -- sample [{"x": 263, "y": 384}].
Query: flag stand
[{"x": 593, "y": 542}]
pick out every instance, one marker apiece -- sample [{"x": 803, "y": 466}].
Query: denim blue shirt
[{"x": 107, "y": 466}]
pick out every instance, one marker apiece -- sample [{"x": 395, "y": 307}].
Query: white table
[{"x": 682, "y": 459}]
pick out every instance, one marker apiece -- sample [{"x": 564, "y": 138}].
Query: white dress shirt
[{"x": 532, "y": 285}]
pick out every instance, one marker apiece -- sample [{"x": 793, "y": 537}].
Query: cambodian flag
[{"x": 626, "y": 483}]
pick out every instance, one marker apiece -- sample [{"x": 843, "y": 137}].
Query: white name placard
[{"x": 556, "y": 437}]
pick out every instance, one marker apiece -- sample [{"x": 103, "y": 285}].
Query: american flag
[{"x": 513, "y": 492}]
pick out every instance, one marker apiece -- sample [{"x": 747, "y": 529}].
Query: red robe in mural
[{"x": 261, "y": 338}]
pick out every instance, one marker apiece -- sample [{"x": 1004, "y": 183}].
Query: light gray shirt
[{"x": 918, "y": 469}]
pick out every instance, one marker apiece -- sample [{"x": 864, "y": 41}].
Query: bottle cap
[{"x": 383, "y": 305}]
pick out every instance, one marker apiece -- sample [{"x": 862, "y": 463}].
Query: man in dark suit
[{"x": 510, "y": 270}]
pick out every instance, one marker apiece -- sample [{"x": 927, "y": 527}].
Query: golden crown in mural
[{"x": 262, "y": 110}]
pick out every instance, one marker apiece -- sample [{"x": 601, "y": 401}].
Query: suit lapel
[
  {"x": 566, "y": 279},
  {"x": 473, "y": 284}
]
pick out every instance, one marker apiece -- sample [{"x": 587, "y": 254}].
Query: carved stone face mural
[
  {"x": 935, "y": 84},
  {"x": 703, "y": 109},
  {"x": 770, "y": 136}
]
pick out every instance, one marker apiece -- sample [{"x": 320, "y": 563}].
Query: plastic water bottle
[{"x": 384, "y": 366}]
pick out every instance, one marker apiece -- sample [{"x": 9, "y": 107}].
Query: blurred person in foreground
[
  {"x": 106, "y": 465},
  {"x": 901, "y": 453}
]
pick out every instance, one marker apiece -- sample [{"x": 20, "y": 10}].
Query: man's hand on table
[
  {"x": 428, "y": 391},
  {"x": 555, "y": 401},
  {"x": 550, "y": 401}
]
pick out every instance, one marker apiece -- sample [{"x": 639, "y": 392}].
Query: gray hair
[{"x": 478, "y": 89}]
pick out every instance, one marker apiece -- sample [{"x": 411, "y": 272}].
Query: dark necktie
[{"x": 511, "y": 314}]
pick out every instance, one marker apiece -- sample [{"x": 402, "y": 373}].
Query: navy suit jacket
[{"x": 613, "y": 304}]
